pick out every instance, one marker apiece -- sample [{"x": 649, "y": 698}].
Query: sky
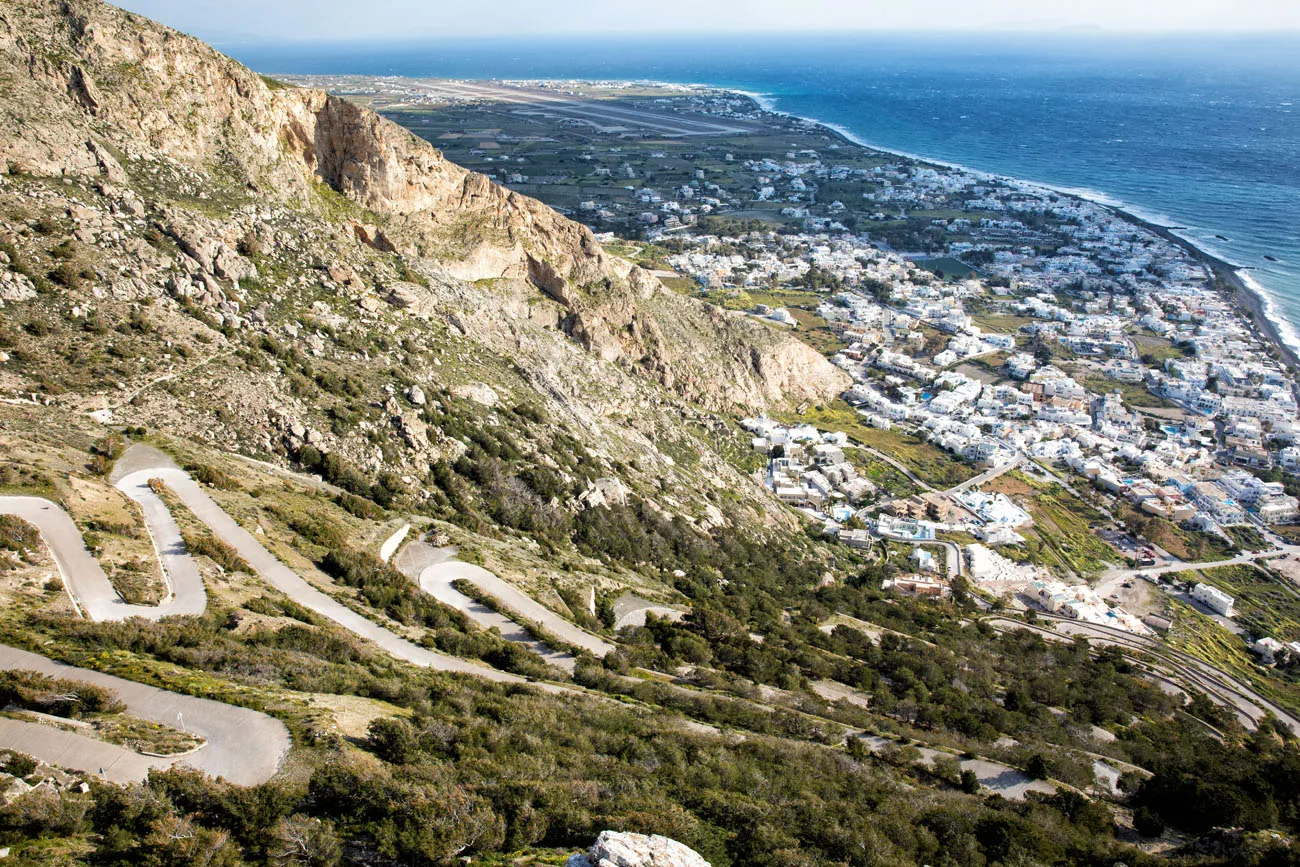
[{"x": 351, "y": 20}]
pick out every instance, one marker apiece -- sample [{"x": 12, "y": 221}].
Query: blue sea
[{"x": 1200, "y": 133}]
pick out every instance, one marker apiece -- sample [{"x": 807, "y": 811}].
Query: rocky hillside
[
  {"x": 96, "y": 94},
  {"x": 188, "y": 247}
]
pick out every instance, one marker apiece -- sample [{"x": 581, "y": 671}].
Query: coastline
[{"x": 1251, "y": 299}]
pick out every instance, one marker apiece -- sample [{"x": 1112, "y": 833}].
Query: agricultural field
[{"x": 592, "y": 163}]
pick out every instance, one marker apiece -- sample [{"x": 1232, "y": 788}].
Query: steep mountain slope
[
  {"x": 259, "y": 268},
  {"x": 93, "y": 92}
]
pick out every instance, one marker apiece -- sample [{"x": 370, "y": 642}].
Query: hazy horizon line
[{"x": 1078, "y": 32}]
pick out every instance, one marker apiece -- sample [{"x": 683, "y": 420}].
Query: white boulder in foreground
[{"x": 617, "y": 849}]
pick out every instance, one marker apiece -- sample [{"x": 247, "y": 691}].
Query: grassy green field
[
  {"x": 1134, "y": 394},
  {"x": 682, "y": 285},
  {"x": 1198, "y": 635},
  {"x": 1062, "y": 528},
  {"x": 885, "y": 477},
  {"x": 1001, "y": 323},
  {"x": 802, "y": 305},
  {"x": 1247, "y": 537},
  {"x": 1265, "y": 604},
  {"x": 1158, "y": 348},
  {"x": 1183, "y": 544}
]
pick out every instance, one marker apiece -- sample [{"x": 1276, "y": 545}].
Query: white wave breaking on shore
[{"x": 1285, "y": 329}]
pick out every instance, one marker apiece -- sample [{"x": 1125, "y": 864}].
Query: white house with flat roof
[{"x": 1214, "y": 599}]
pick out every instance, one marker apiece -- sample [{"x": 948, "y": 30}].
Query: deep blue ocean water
[{"x": 1202, "y": 133}]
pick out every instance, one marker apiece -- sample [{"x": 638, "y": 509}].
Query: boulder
[
  {"x": 402, "y": 294},
  {"x": 373, "y": 237},
  {"x": 479, "y": 392},
  {"x": 619, "y": 849},
  {"x": 227, "y": 263}
]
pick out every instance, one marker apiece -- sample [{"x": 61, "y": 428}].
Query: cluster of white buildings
[
  {"x": 761, "y": 260},
  {"x": 1172, "y": 471},
  {"x": 1081, "y": 602},
  {"x": 1094, "y": 295},
  {"x": 807, "y": 468},
  {"x": 999, "y": 516}
]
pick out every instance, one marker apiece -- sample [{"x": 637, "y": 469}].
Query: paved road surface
[
  {"x": 95, "y": 596},
  {"x": 436, "y": 579},
  {"x": 282, "y": 578},
  {"x": 419, "y": 556},
  {"x": 1153, "y": 571},
  {"x": 631, "y": 610},
  {"x": 89, "y": 587},
  {"x": 244, "y": 746},
  {"x": 952, "y": 559}
]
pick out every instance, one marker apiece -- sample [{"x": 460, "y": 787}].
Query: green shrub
[
  {"x": 56, "y": 696},
  {"x": 16, "y": 534},
  {"x": 204, "y": 544},
  {"x": 212, "y": 477}
]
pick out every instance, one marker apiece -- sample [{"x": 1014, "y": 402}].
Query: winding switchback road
[
  {"x": 436, "y": 574},
  {"x": 89, "y": 587},
  {"x": 95, "y": 597},
  {"x": 243, "y": 746},
  {"x": 288, "y": 582}
]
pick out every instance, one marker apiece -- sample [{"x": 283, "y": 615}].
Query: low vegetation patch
[
  {"x": 149, "y": 738},
  {"x": 928, "y": 461},
  {"x": 56, "y": 696},
  {"x": 1187, "y": 545}
]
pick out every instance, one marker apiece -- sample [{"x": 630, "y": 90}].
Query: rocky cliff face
[{"x": 94, "y": 92}]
